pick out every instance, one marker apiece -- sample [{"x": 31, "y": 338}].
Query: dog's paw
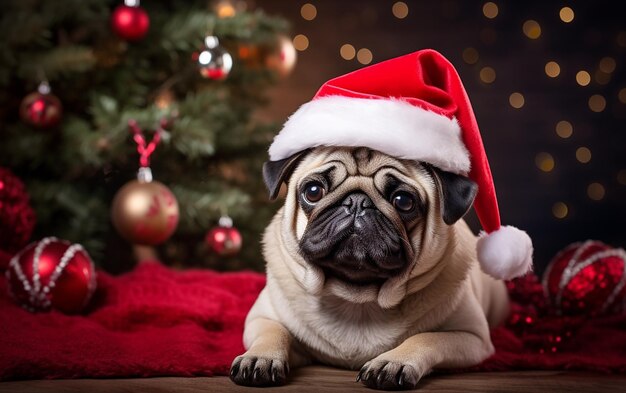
[
  {"x": 259, "y": 371},
  {"x": 388, "y": 375}
]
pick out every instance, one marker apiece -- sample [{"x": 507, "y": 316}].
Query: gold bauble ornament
[
  {"x": 282, "y": 59},
  {"x": 145, "y": 212}
]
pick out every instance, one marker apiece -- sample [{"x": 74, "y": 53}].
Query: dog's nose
[{"x": 357, "y": 203}]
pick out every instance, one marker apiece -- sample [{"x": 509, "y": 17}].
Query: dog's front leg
[
  {"x": 266, "y": 363},
  {"x": 462, "y": 341}
]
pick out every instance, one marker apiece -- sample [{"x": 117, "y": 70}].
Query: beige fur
[{"x": 435, "y": 314}]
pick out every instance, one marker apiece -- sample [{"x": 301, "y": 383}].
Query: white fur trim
[
  {"x": 391, "y": 126},
  {"x": 505, "y": 253}
]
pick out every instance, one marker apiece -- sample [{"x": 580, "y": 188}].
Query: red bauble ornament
[
  {"x": 129, "y": 21},
  {"x": 224, "y": 240},
  {"x": 52, "y": 273},
  {"x": 41, "y": 108},
  {"x": 17, "y": 218},
  {"x": 587, "y": 278}
]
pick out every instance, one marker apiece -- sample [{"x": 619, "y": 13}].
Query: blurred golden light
[
  {"x": 602, "y": 78},
  {"x": 400, "y": 10},
  {"x": 164, "y": 99},
  {"x": 596, "y": 191},
  {"x": 622, "y": 95},
  {"x": 583, "y": 78},
  {"x": 621, "y": 177},
  {"x": 308, "y": 11},
  {"x": 597, "y": 103},
  {"x": 364, "y": 56},
  {"x": 544, "y": 161},
  {"x": 225, "y": 9},
  {"x": 490, "y": 9},
  {"x": 552, "y": 69},
  {"x": 300, "y": 42},
  {"x": 487, "y": 74},
  {"x": 607, "y": 64},
  {"x": 347, "y": 51},
  {"x": 470, "y": 56},
  {"x": 566, "y": 14},
  {"x": 560, "y": 210},
  {"x": 532, "y": 29},
  {"x": 583, "y": 155},
  {"x": 516, "y": 100},
  {"x": 564, "y": 129}
]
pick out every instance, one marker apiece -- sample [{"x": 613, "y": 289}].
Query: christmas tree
[{"x": 108, "y": 68}]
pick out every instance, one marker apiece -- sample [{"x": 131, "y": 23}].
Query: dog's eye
[
  {"x": 314, "y": 191},
  {"x": 403, "y": 201}
]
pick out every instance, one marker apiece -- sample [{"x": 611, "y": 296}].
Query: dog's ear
[
  {"x": 275, "y": 173},
  {"x": 457, "y": 194}
]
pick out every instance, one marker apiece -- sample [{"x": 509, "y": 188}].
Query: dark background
[{"x": 518, "y": 141}]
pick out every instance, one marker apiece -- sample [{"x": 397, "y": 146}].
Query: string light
[
  {"x": 566, "y": 14},
  {"x": 552, "y": 69},
  {"x": 347, "y": 51},
  {"x": 516, "y": 100},
  {"x": 583, "y": 78},
  {"x": 583, "y": 155},
  {"x": 487, "y": 74},
  {"x": 544, "y": 162},
  {"x": 564, "y": 129},
  {"x": 470, "y": 55},
  {"x": 364, "y": 56},
  {"x": 308, "y": 11},
  {"x": 560, "y": 210},
  {"x": 531, "y": 29},
  {"x": 301, "y": 42},
  {"x": 400, "y": 10},
  {"x": 596, "y": 191},
  {"x": 597, "y": 103},
  {"x": 490, "y": 10}
]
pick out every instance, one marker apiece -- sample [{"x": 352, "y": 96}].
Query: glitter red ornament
[
  {"x": 41, "y": 108},
  {"x": 17, "y": 218},
  {"x": 129, "y": 21},
  {"x": 52, "y": 274},
  {"x": 587, "y": 278},
  {"x": 224, "y": 240}
]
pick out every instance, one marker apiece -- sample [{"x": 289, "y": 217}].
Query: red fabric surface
[{"x": 155, "y": 321}]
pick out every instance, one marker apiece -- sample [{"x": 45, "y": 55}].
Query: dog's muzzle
[{"x": 354, "y": 241}]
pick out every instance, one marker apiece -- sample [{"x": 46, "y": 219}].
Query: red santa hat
[{"x": 412, "y": 107}]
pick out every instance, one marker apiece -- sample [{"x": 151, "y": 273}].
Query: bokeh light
[
  {"x": 564, "y": 129},
  {"x": 400, "y": 10},
  {"x": 607, "y": 64},
  {"x": 583, "y": 78},
  {"x": 470, "y": 55},
  {"x": 621, "y": 177},
  {"x": 596, "y": 191},
  {"x": 583, "y": 155},
  {"x": 490, "y": 9},
  {"x": 301, "y": 42},
  {"x": 560, "y": 210},
  {"x": 531, "y": 29},
  {"x": 487, "y": 75},
  {"x": 364, "y": 56},
  {"x": 566, "y": 14},
  {"x": 308, "y": 11},
  {"x": 622, "y": 95},
  {"x": 516, "y": 100},
  {"x": 347, "y": 51},
  {"x": 544, "y": 161},
  {"x": 552, "y": 69},
  {"x": 597, "y": 103}
]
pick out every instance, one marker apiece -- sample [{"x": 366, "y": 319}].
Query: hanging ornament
[
  {"x": 587, "y": 278},
  {"x": 129, "y": 21},
  {"x": 41, "y": 108},
  {"x": 214, "y": 62},
  {"x": 52, "y": 273},
  {"x": 17, "y": 217},
  {"x": 145, "y": 211},
  {"x": 224, "y": 240},
  {"x": 282, "y": 59}
]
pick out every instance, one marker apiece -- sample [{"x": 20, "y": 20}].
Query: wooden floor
[{"x": 325, "y": 379}]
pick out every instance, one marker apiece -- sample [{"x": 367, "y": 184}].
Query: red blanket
[{"x": 155, "y": 321}]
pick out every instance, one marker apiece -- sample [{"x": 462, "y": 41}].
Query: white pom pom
[{"x": 505, "y": 253}]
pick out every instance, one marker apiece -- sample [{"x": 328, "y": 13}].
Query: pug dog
[{"x": 370, "y": 267}]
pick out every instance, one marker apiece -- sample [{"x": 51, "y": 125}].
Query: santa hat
[{"x": 412, "y": 107}]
